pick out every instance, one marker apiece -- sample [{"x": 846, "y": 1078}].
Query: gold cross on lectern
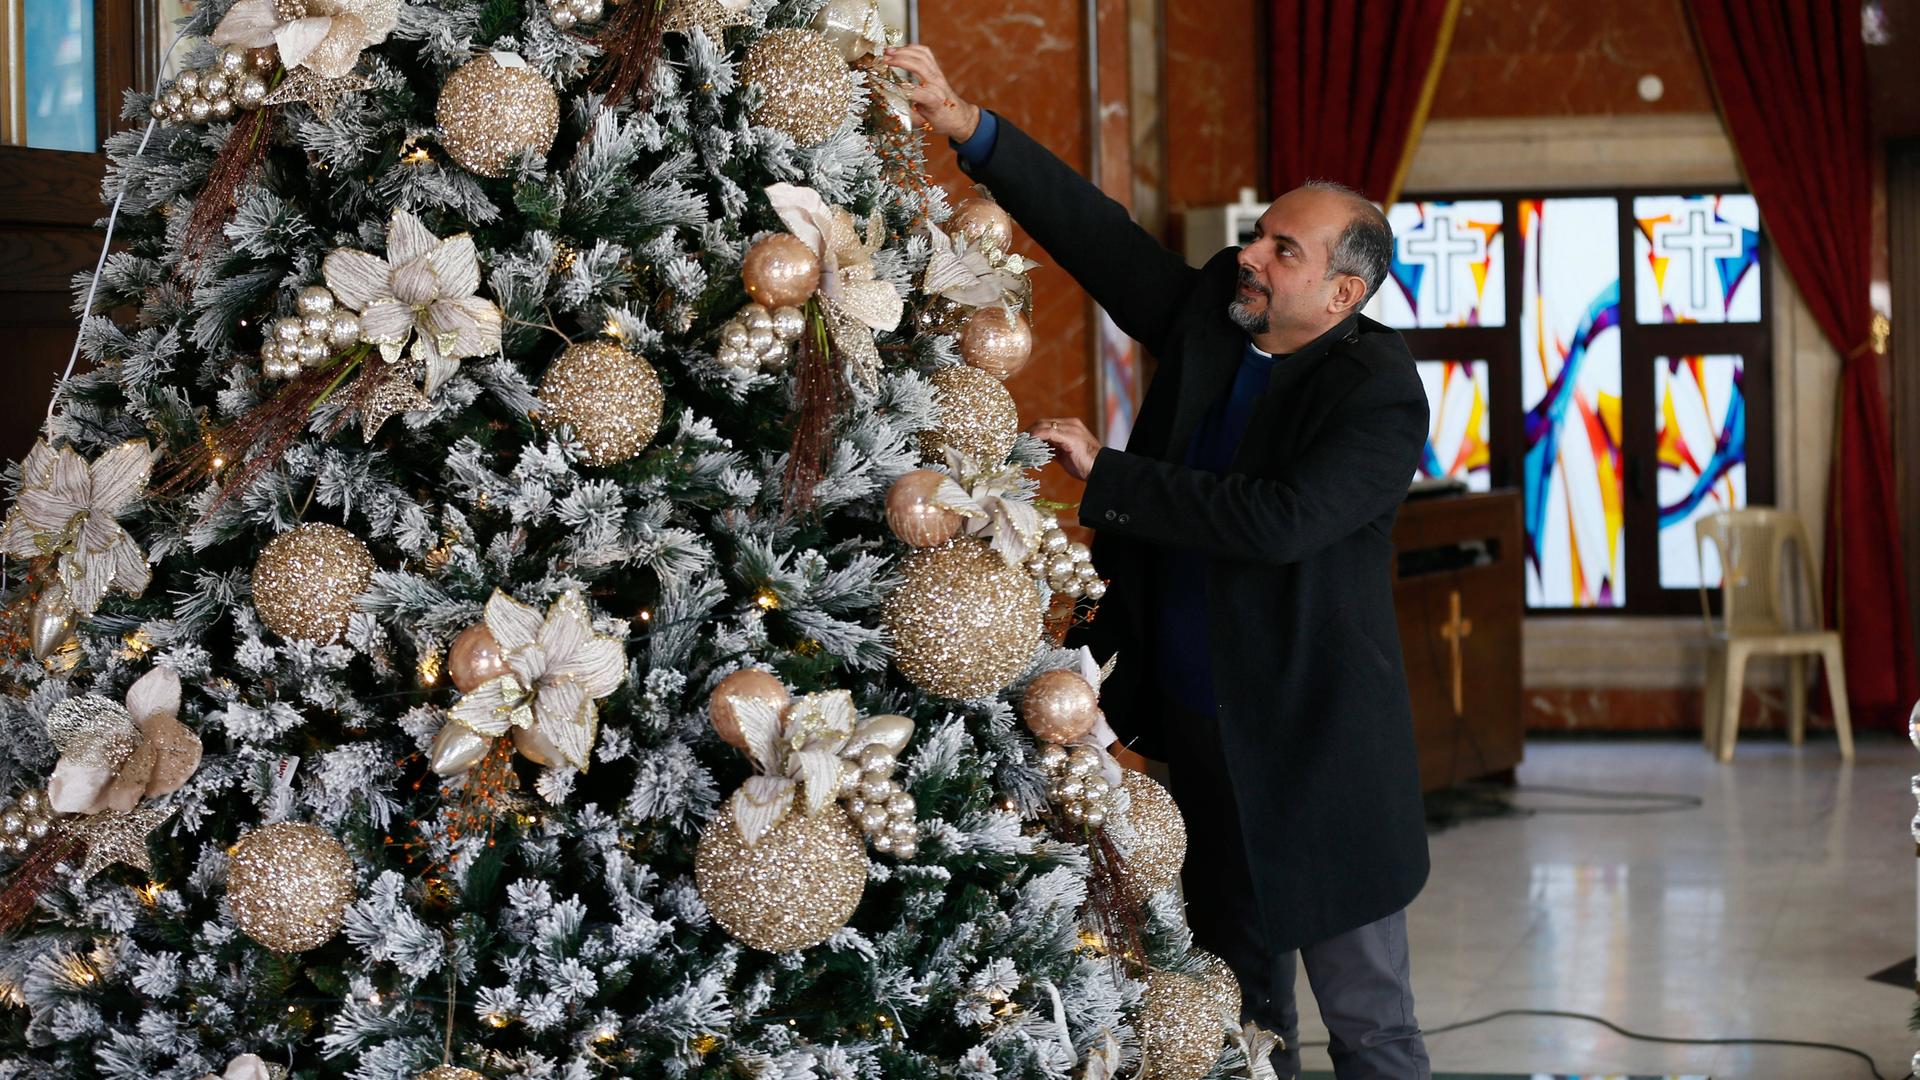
[{"x": 1457, "y": 631}]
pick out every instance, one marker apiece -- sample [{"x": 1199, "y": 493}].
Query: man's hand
[
  {"x": 937, "y": 107},
  {"x": 1073, "y": 445}
]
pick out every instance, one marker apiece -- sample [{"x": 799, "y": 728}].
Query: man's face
[{"x": 1284, "y": 285}]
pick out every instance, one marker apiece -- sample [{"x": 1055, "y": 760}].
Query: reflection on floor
[{"x": 1761, "y": 913}]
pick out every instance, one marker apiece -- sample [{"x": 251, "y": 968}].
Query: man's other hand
[
  {"x": 1073, "y": 445},
  {"x": 935, "y": 105}
]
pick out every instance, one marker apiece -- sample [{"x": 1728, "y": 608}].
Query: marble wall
[{"x": 1028, "y": 61}]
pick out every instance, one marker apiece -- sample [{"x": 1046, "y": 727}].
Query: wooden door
[{"x": 50, "y": 201}]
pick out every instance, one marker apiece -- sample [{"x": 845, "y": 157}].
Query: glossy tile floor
[{"x": 1761, "y": 913}]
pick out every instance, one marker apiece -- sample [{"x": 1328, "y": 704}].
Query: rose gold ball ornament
[
  {"x": 913, "y": 512},
  {"x": 611, "y": 398},
  {"x": 1182, "y": 1029},
  {"x": 964, "y": 624},
  {"x": 780, "y": 271},
  {"x": 976, "y": 415},
  {"x": 289, "y": 886},
  {"x": 745, "y": 683},
  {"x": 982, "y": 221},
  {"x": 793, "y": 888},
  {"x": 806, "y": 89},
  {"x": 305, "y": 581},
  {"x": 1060, "y": 706},
  {"x": 1151, "y": 837},
  {"x": 997, "y": 341},
  {"x": 475, "y": 658},
  {"x": 491, "y": 111}
]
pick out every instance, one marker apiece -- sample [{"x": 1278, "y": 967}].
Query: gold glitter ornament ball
[
  {"x": 791, "y": 890},
  {"x": 1182, "y": 1028},
  {"x": 976, "y": 416},
  {"x": 964, "y": 624},
  {"x": 1221, "y": 983},
  {"x": 1153, "y": 840},
  {"x": 804, "y": 83},
  {"x": 305, "y": 581},
  {"x": 289, "y": 886},
  {"x": 609, "y": 396},
  {"x": 489, "y": 113}
]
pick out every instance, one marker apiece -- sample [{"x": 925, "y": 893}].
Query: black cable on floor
[
  {"x": 1663, "y": 802},
  {"x": 1804, "y": 1044}
]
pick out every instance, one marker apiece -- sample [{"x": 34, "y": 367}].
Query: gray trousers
[{"x": 1360, "y": 978}]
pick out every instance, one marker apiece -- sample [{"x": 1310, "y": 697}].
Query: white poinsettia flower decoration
[
  {"x": 70, "y": 510},
  {"x": 322, "y": 36},
  {"x": 421, "y": 290},
  {"x": 966, "y": 273},
  {"x": 995, "y": 505},
  {"x": 558, "y": 670}
]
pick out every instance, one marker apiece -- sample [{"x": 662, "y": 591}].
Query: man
[{"x": 1246, "y": 532}]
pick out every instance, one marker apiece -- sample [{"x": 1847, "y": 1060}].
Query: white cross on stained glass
[
  {"x": 1700, "y": 239},
  {"x": 1438, "y": 246}
]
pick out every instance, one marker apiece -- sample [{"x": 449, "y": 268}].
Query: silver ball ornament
[
  {"x": 315, "y": 300},
  {"x": 188, "y": 83},
  {"x": 343, "y": 328},
  {"x": 733, "y": 334},
  {"x": 233, "y": 60},
  {"x": 901, "y": 805},
  {"x": 198, "y": 110},
  {"x": 251, "y": 92},
  {"x": 214, "y": 85},
  {"x": 788, "y": 323}
]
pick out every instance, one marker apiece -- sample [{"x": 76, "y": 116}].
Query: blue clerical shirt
[{"x": 1182, "y": 664}]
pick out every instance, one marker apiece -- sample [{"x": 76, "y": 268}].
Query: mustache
[{"x": 1249, "y": 281}]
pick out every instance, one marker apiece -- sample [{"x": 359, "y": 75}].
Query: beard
[{"x": 1241, "y": 310}]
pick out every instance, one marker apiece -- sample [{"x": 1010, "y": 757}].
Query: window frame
[{"x": 1640, "y": 347}]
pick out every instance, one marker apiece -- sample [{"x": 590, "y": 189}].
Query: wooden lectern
[{"x": 1460, "y": 591}]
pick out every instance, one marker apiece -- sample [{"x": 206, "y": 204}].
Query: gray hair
[{"x": 1365, "y": 247}]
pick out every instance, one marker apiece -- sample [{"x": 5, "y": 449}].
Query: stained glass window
[
  {"x": 1695, "y": 259},
  {"x": 1570, "y": 389},
  {"x": 54, "y": 77},
  {"x": 1700, "y": 428},
  {"x": 1461, "y": 427},
  {"x": 1449, "y": 266}
]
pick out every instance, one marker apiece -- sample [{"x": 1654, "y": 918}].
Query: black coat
[{"x": 1315, "y": 724}]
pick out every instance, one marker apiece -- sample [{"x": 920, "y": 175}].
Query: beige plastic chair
[{"x": 1758, "y": 581}]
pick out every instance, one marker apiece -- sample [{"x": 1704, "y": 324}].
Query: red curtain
[
  {"x": 1349, "y": 82},
  {"x": 1791, "y": 81}
]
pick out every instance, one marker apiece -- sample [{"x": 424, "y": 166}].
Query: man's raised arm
[{"x": 1138, "y": 281}]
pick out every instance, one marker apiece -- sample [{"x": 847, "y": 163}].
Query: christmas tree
[{"x": 540, "y": 578}]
